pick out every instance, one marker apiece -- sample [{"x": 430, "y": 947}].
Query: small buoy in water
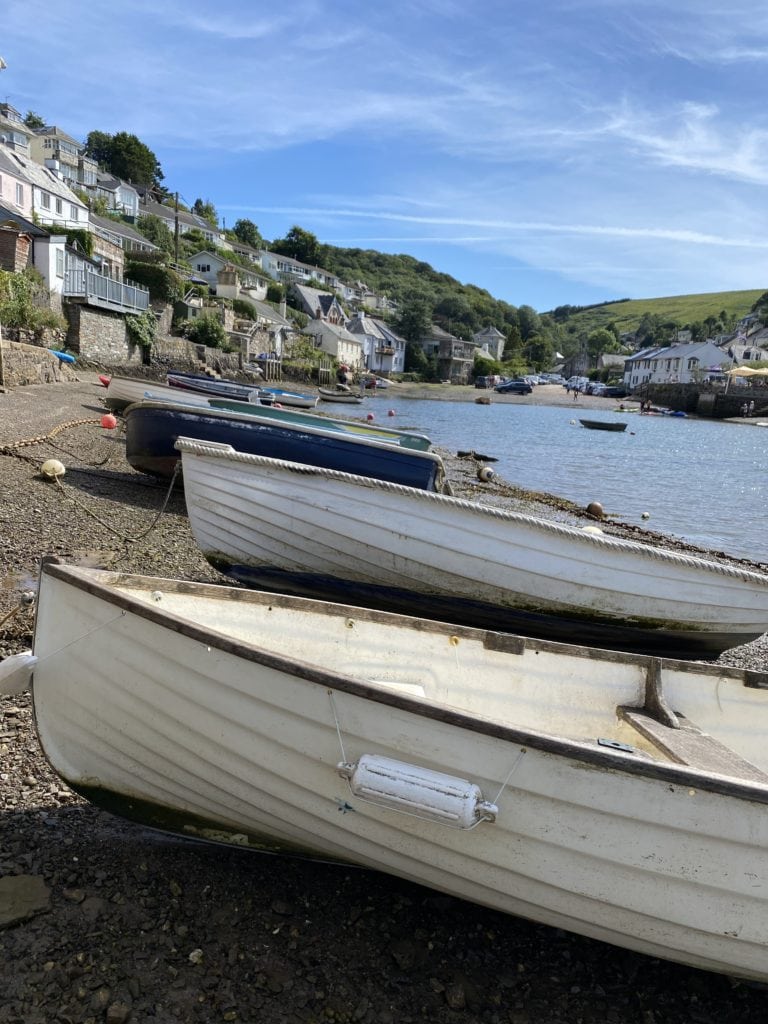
[
  {"x": 108, "y": 421},
  {"x": 591, "y": 529},
  {"x": 595, "y": 509},
  {"x": 370, "y": 417},
  {"x": 52, "y": 468},
  {"x": 486, "y": 474},
  {"x": 646, "y": 515},
  {"x": 573, "y": 423},
  {"x": 390, "y": 412}
]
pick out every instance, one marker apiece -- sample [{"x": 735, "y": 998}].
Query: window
[
  {"x": 45, "y": 200},
  {"x": 59, "y": 206},
  {"x": 73, "y": 213},
  {"x": 1, "y": 184},
  {"x": 59, "y": 263},
  {"x": 19, "y": 195}
]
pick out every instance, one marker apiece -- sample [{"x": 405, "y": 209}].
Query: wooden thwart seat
[{"x": 688, "y": 745}]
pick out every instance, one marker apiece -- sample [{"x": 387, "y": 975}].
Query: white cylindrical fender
[{"x": 419, "y": 791}]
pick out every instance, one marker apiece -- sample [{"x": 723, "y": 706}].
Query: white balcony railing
[{"x": 97, "y": 290}]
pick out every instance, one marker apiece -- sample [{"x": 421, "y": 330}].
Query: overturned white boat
[
  {"x": 318, "y": 533},
  {"x": 621, "y": 797}
]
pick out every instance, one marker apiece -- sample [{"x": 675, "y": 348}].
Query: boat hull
[
  {"x": 151, "y": 430},
  {"x": 326, "y": 535},
  {"x": 292, "y": 399},
  {"x": 376, "y": 433},
  {"x": 342, "y": 397},
  {"x": 203, "y": 728},
  {"x": 614, "y": 425},
  {"x": 124, "y": 391}
]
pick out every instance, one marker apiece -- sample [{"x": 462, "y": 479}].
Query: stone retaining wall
[{"x": 31, "y": 364}]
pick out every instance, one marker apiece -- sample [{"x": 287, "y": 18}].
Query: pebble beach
[{"x": 102, "y": 920}]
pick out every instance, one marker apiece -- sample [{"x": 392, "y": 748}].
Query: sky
[{"x": 552, "y": 152}]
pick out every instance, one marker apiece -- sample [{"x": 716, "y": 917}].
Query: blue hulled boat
[{"x": 152, "y": 427}]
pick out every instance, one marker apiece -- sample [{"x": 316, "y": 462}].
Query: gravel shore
[{"x": 122, "y": 924}]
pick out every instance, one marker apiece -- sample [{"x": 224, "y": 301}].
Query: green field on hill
[{"x": 680, "y": 309}]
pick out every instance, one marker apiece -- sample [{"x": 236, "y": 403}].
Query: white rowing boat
[
  {"x": 330, "y": 535},
  {"x": 617, "y": 796}
]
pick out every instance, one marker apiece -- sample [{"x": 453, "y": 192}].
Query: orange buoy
[{"x": 108, "y": 421}]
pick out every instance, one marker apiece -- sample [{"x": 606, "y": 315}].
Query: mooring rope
[
  {"x": 12, "y": 446},
  {"x": 129, "y": 540}
]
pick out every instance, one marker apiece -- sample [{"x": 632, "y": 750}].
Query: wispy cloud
[{"x": 610, "y": 142}]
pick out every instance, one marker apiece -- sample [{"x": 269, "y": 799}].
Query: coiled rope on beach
[{"x": 12, "y": 447}]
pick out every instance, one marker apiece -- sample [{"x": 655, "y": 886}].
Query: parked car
[
  {"x": 514, "y": 387},
  {"x": 376, "y": 382},
  {"x": 483, "y": 382},
  {"x": 615, "y": 391},
  {"x": 594, "y": 387}
]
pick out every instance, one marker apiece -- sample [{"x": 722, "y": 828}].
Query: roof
[
  {"x": 43, "y": 178},
  {"x": 120, "y": 227},
  {"x": 489, "y": 332},
  {"x": 313, "y": 298},
  {"x": 11, "y": 218},
  {"x": 366, "y": 325},
  {"x": 323, "y": 327}
]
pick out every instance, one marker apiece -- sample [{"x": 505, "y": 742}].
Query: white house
[
  {"x": 119, "y": 195},
  {"x": 383, "y": 349},
  {"x": 15, "y": 189},
  {"x": 228, "y": 280},
  {"x": 337, "y": 342},
  {"x": 673, "y": 364},
  {"x": 491, "y": 341},
  {"x": 288, "y": 270},
  {"x": 52, "y": 202}
]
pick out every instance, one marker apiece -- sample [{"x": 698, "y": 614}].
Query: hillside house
[
  {"x": 121, "y": 233},
  {"x": 289, "y": 271},
  {"x": 455, "y": 358},
  {"x": 66, "y": 157},
  {"x": 119, "y": 196},
  {"x": 337, "y": 342},
  {"x": 14, "y": 134},
  {"x": 15, "y": 188},
  {"x": 673, "y": 364},
  {"x": 228, "y": 280},
  {"x": 383, "y": 349},
  {"x": 491, "y": 342},
  {"x": 319, "y": 305}
]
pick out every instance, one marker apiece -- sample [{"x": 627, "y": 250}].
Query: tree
[
  {"x": 34, "y": 121},
  {"x": 600, "y": 340},
  {"x": 414, "y": 321},
  {"x": 514, "y": 344},
  {"x": 125, "y": 156},
  {"x": 415, "y": 358},
  {"x": 157, "y": 232},
  {"x": 539, "y": 351},
  {"x": 207, "y": 211},
  {"x": 206, "y": 329},
  {"x": 247, "y": 232},
  {"x": 299, "y": 245},
  {"x": 529, "y": 322}
]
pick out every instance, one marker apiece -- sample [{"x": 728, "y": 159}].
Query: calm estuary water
[{"x": 701, "y": 480}]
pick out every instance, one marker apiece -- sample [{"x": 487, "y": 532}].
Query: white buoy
[
  {"x": 486, "y": 474},
  {"x": 646, "y": 515},
  {"x": 52, "y": 468},
  {"x": 591, "y": 529}
]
